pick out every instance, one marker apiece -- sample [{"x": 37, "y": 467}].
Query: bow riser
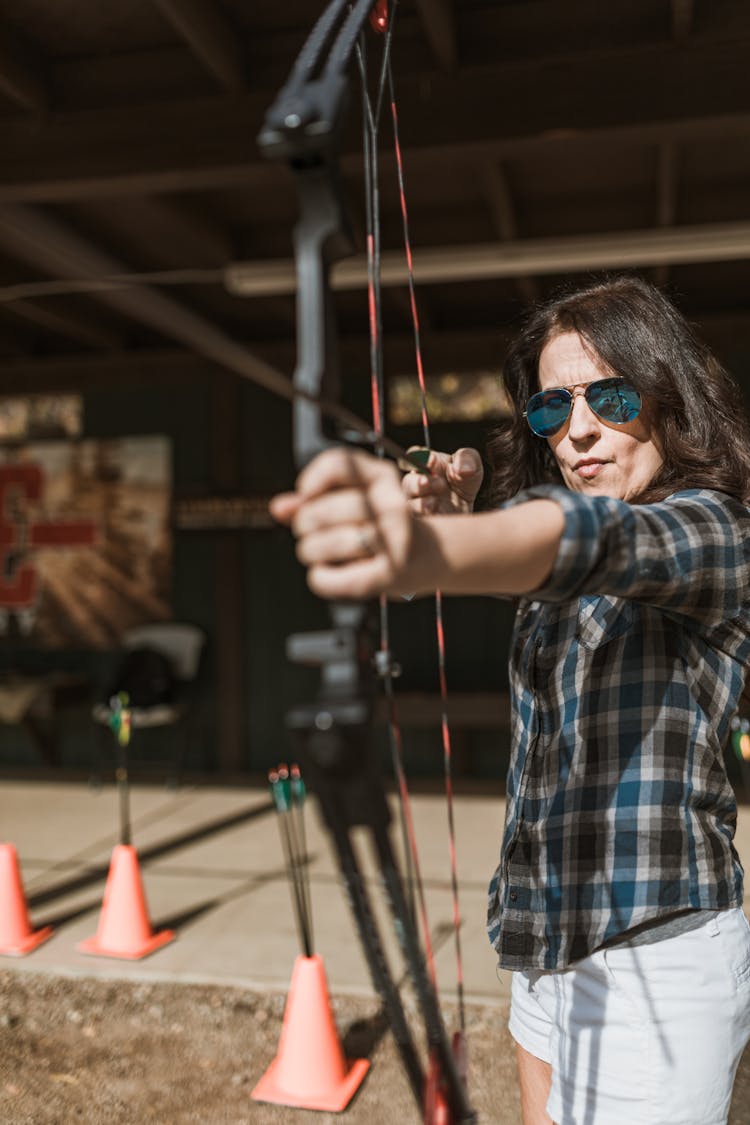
[{"x": 321, "y": 238}]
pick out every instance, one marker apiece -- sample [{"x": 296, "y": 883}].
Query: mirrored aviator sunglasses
[{"x": 614, "y": 400}]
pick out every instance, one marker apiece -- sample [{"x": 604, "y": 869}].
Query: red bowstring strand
[
  {"x": 439, "y": 627},
  {"x": 375, "y": 338},
  {"x": 370, "y": 120},
  {"x": 374, "y": 301},
  {"x": 436, "y": 1107}
]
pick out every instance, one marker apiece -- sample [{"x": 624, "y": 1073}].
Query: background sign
[{"x": 85, "y": 543}]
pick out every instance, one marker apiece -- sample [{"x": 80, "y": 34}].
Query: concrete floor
[{"x": 212, "y": 867}]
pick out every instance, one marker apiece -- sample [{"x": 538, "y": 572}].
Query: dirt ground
[{"x": 113, "y": 1053}]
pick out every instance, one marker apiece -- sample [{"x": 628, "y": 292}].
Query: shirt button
[{"x": 513, "y": 896}]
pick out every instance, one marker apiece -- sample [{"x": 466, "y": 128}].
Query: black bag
[{"x": 147, "y": 676}]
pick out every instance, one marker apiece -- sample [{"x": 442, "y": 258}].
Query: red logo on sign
[{"x": 20, "y": 537}]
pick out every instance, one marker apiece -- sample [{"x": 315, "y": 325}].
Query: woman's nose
[{"x": 583, "y": 421}]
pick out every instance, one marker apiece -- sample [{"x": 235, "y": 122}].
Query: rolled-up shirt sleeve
[{"x": 688, "y": 554}]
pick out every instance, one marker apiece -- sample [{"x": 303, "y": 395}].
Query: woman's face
[{"x": 596, "y": 457}]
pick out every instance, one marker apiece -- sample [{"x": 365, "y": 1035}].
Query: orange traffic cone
[
  {"x": 124, "y": 929},
  {"x": 310, "y": 1071},
  {"x": 16, "y": 934}
]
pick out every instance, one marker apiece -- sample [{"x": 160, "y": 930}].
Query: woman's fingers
[
  {"x": 452, "y": 485},
  {"x": 362, "y": 578},
  {"x": 465, "y": 474},
  {"x": 352, "y": 524},
  {"x": 417, "y": 485},
  {"x": 339, "y": 467},
  {"x": 427, "y": 495},
  {"x": 338, "y": 543},
  {"x": 332, "y": 509},
  {"x": 283, "y": 506}
]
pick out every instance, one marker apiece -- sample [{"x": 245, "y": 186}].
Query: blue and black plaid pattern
[{"x": 625, "y": 672}]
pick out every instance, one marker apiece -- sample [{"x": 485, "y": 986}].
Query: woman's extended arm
[{"x": 358, "y": 536}]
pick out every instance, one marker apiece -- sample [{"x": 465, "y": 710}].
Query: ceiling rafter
[
  {"x": 44, "y": 242},
  {"x": 709, "y": 242},
  {"x": 184, "y": 238},
  {"x": 439, "y": 22},
  {"x": 22, "y": 73},
  {"x": 143, "y": 156},
  {"x": 205, "y": 239},
  {"x": 210, "y": 38},
  {"x": 61, "y": 374},
  {"x": 666, "y": 202},
  {"x": 479, "y": 348},
  {"x": 446, "y": 352},
  {"x": 683, "y": 12},
  {"x": 65, "y": 323},
  {"x": 202, "y": 145},
  {"x": 504, "y": 217}
]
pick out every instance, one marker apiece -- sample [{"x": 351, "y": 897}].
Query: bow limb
[{"x": 333, "y": 732}]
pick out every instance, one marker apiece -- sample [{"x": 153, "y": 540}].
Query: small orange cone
[
  {"x": 124, "y": 929},
  {"x": 310, "y": 1071},
  {"x": 16, "y": 935}
]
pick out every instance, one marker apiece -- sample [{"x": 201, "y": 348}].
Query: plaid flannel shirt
[{"x": 626, "y": 669}]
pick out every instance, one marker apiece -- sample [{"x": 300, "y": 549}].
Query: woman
[{"x": 623, "y": 475}]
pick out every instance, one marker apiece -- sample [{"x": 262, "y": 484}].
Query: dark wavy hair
[{"x": 636, "y": 332}]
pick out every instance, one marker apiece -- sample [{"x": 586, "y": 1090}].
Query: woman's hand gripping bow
[{"x": 362, "y": 532}]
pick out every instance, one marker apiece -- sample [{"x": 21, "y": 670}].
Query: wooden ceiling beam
[
  {"x": 209, "y": 37},
  {"x": 203, "y": 240},
  {"x": 475, "y": 349},
  {"x": 114, "y": 368},
  {"x": 64, "y": 323},
  {"x": 184, "y": 239},
  {"x": 439, "y": 22},
  {"x": 145, "y": 173},
  {"x": 667, "y": 177},
  {"x": 203, "y": 144},
  {"x": 504, "y": 217},
  {"x": 447, "y": 352},
  {"x": 709, "y": 242},
  {"x": 559, "y": 96},
  {"x": 666, "y": 198},
  {"x": 682, "y": 19},
  {"x": 45, "y": 243},
  {"x": 22, "y": 77}
]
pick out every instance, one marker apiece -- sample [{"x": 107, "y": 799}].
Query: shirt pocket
[{"x": 602, "y": 619}]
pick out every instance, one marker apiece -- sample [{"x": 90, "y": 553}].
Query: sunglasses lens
[
  {"x": 614, "y": 400},
  {"x": 547, "y": 411}
]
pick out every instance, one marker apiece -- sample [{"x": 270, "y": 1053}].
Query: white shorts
[{"x": 642, "y": 1035}]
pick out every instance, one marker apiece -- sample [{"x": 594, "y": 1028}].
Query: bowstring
[
  {"x": 371, "y": 119},
  {"x": 439, "y": 622}
]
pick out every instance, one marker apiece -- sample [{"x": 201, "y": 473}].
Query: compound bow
[{"x": 303, "y": 127}]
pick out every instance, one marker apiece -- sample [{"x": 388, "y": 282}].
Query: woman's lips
[{"x": 589, "y": 469}]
